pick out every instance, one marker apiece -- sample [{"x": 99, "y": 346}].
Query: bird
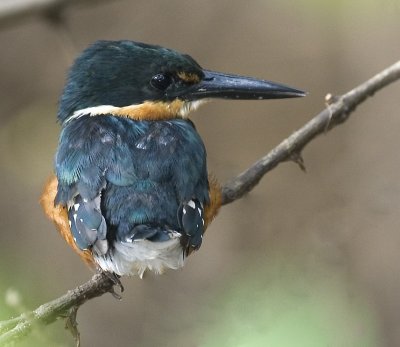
[{"x": 131, "y": 191}]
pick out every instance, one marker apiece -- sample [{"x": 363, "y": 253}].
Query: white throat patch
[{"x": 190, "y": 106}]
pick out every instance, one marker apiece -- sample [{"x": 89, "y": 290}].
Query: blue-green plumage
[
  {"x": 131, "y": 168},
  {"x": 143, "y": 170}
]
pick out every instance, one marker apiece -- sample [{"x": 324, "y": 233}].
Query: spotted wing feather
[
  {"x": 87, "y": 223},
  {"x": 191, "y": 220}
]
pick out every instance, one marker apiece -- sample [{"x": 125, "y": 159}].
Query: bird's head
[{"x": 142, "y": 81}]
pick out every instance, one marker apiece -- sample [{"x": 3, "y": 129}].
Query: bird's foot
[{"x": 117, "y": 282}]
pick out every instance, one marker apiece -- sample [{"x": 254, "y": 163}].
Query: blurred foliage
[
  {"x": 365, "y": 6},
  {"x": 20, "y": 295},
  {"x": 288, "y": 306}
]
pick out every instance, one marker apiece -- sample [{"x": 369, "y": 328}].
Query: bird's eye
[{"x": 161, "y": 81}]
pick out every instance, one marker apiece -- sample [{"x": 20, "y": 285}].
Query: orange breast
[
  {"x": 58, "y": 215},
  {"x": 211, "y": 210}
]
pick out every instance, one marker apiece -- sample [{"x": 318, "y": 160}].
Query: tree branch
[
  {"x": 14, "y": 11},
  {"x": 337, "y": 111},
  {"x": 47, "y": 313}
]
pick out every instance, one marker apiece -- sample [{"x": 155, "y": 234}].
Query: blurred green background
[{"x": 305, "y": 259}]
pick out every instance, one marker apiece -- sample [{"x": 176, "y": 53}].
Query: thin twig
[
  {"x": 337, "y": 112},
  {"x": 15, "y": 11},
  {"x": 50, "y": 311}
]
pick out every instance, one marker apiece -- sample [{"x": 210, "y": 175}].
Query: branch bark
[
  {"x": 47, "y": 313},
  {"x": 14, "y": 11},
  {"x": 337, "y": 111}
]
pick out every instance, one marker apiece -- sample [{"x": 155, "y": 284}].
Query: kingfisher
[{"x": 131, "y": 191}]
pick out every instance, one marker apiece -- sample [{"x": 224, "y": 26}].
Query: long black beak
[{"x": 220, "y": 85}]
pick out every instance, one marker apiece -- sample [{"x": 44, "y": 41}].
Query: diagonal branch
[
  {"x": 15, "y": 11},
  {"x": 338, "y": 111},
  {"x": 47, "y": 313}
]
